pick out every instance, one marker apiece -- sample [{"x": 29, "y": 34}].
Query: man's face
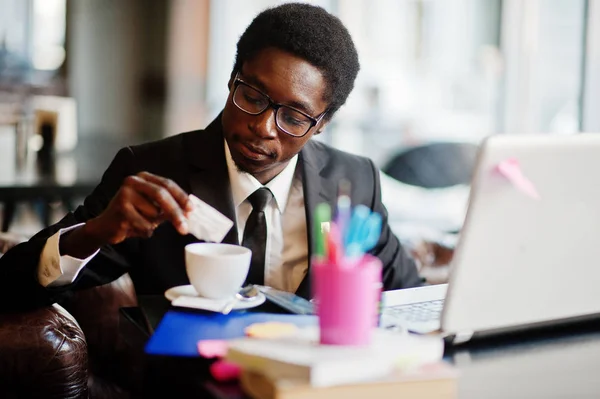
[{"x": 257, "y": 145}]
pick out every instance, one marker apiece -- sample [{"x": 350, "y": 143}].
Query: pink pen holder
[{"x": 347, "y": 299}]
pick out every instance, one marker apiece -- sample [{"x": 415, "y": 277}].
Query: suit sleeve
[
  {"x": 20, "y": 288},
  {"x": 399, "y": 270}
]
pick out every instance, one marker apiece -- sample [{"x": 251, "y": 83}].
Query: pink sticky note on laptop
[{"x": 511, "y": 170}]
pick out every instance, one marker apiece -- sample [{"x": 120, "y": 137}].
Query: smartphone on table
[{"x": 288, "y": 300}]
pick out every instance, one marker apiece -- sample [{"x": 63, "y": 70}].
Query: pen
[
  {"x": 364, "y": 231},
  {"x": 355, "y": 232},
  {"x": 334, "y": 246},
  {"x": 344, "y": 210},
  {"x": 373, "y": 231},
  {"x": 321, "y": 221}
]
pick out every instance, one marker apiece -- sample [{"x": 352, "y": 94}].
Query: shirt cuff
[{"x": 55, "y": 270}]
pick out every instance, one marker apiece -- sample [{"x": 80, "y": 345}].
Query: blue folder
[{"x": 178, "y": 332}]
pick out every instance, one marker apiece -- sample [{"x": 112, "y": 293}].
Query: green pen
[{"x": 321, "y": 222}]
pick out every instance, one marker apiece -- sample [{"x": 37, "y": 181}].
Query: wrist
[
  {"x": 91, "y": 233},
  {"x": 82, "y": 242}
]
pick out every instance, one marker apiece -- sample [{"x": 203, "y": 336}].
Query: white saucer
[{"x": 187, "y": 297}]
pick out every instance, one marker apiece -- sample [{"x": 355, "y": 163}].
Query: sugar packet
[{"x": 207, "y": 223}]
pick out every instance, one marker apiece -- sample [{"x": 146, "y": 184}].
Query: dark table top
[
  {"x": 548, "y": 364},
  {"x": 560, "y": 362}
]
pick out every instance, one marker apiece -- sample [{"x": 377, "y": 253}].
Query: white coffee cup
[{"x": 217, "y": 270}]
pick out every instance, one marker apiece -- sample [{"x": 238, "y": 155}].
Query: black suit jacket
[{"x": 196, "y": 162}]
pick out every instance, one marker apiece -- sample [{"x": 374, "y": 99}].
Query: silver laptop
[{"x": 528, "y": 254}]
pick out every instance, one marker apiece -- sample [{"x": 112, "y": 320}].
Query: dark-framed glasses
[{"x": 288, "y": 119}]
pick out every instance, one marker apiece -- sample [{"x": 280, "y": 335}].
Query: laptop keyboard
[{"x": 418, "y": 312}]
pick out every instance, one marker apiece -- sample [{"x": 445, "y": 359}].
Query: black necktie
[{"x": 255, "y": 235}]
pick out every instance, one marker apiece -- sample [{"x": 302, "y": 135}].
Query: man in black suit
[{"x": 295, "y": 66}]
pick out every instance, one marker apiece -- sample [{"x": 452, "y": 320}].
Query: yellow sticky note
[{"x": 272, "y": 329}]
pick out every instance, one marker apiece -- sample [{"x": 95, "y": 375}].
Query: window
[
  {"x": 32, "y": 40},
  {"x": 49, "y": 26},
  {"x": 430, "y": 70}
]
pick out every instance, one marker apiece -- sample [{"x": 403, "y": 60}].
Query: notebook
[
  {"x": 301, "y": 357},
  {"x": 178, "y": 332},
  {"x": 438, "y": 380}
]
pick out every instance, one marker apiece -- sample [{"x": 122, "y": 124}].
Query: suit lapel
[
  {"x": 316, "y": 189},
  {"x": 208, "y": 175}
]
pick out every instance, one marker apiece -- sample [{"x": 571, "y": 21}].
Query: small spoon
[{"x": 245, "y": 294}]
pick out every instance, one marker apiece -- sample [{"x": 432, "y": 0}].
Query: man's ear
[{"x": 231, "y": 78}]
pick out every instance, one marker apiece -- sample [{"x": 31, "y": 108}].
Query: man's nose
[{"x": 264, "y": 125}]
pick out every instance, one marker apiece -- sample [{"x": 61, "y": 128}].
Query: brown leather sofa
[{"x": 73, "y": 351}]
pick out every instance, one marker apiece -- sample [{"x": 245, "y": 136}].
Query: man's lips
[{"x": 254, "y": 153}]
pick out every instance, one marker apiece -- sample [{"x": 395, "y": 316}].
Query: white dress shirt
[
  {"x": 286, "y": 260},
  {"x": 286, "y": 256},
  {"x": 55, "y": 270}
]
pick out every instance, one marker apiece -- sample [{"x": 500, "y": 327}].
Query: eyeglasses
[{"x": 254, "y": 102}]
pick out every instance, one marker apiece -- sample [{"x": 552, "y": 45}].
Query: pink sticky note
[
  {"x": 224, "y": 371},
  {"x": 210, "y": 348},
  {"x": 511, "y": 170}
]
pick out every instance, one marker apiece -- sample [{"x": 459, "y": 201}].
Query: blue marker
[
  {"x": 364, "y": 231},
  {"x": 355, "y": 234},
  {"x": 373, "y": 231}
]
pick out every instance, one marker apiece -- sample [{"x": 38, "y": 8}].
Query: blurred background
[{"x": 80, "y": 78}]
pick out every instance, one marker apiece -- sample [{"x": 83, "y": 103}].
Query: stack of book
[{"x": 297, "y": 367}]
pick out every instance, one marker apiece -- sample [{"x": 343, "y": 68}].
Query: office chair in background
[{"x": 434, "y": 165}]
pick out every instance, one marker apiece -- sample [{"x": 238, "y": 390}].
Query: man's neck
[{"x": 268, "y": 175}]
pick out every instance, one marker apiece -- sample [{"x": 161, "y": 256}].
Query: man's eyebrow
[
  {"x": 253, "y": 81},
  {"x": 299, "y": 105}
]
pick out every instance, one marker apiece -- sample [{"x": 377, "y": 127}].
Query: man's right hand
[{"x": 143, "y": 202}]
